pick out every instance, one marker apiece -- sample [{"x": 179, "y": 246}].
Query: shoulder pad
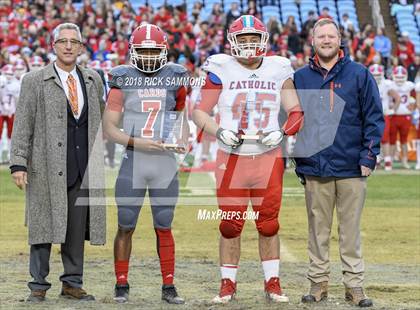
[
  {"x": 115, "y": 78},
  {"x": 216, "y": 61},
  {"x": 176, "y": 68},
  {"x": 120, "y": 70}
]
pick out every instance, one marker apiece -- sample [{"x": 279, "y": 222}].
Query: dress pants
[
  {"x": 347, "y": 195},
  {"x": 72, "y": 250}
]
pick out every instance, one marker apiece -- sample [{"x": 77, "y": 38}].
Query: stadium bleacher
[{"x": 407, "y": 22}]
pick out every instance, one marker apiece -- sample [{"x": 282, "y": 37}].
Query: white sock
[
  {"x": 271, "y": 268},
  {"x": 229, "y": 271}
]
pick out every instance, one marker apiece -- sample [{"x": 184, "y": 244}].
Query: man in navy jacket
[{"x": 336, "y": 175}]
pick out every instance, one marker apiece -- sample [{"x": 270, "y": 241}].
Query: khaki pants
[{"x": 348, "y": 195}]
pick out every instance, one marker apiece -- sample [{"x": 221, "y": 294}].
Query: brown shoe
[
  {"x": 317, "y": 292},
  {"x": 356, "y": 296},
  {"x": 36, "y": 296},
  {"x": 75, "y": 293}
]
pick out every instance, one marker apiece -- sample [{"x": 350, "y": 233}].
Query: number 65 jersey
[{"x": 249, "y": 100}]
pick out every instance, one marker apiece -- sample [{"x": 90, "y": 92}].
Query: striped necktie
[{"x": 71, "y": 83}]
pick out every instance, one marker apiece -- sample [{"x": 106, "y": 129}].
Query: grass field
[{"x": 391, "y": 247}]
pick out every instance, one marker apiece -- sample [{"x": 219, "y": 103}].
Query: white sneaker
[
  {"x": 418, "y": 166},
  {"x": 222, "y": 300},
  {"x": 227, "y": 292},
  {"x": 388, "y": 168},
  {"x": 273, "y": 291},
  {"x": 272, "y": 297}
]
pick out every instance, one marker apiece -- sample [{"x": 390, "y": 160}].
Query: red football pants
[
  {"x": 258, "y": 179},
  {"x": 399, "y": 124},
  {"x": 9, "y": 123},
  {"x": 385, "y": 137}
]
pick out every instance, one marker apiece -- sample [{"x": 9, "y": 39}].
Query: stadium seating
[
  {"x": 270, "y": 11},
  {"x": 407, "y": 22},
  {"x": 227, "y": 4},
  {"x": 348, "y": 6},
  {"x": 305, "y": 7},
  {"x": 156, "y": 4},
  {"x": 176, "y": 2},
  {"x": 290, "y": 9}
]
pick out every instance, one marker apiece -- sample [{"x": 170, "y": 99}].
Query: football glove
[
  {"x": 273, "y": 138},
  {"x": 228, "y": 137}
]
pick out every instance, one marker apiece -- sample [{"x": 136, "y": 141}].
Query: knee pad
[
  {"x": 127, "y": 217},
  {"x": 163, "y": 216},
  {"x": 231, "y": 229},
  {"x": 268, "y": 228}
]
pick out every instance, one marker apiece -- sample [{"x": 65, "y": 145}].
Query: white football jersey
[
  {"x": 250, "y": 99},
  {"x": 10, "y": 95},
  {"x": 417, "y": 87},
  {"x": 3, "y": 81},
  {"x": 404, "y": 91},
  {"x": 384, "y": 87}
]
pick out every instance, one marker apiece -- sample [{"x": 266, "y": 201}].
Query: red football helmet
[
  {"x": 36, "y": 63},
  {"x": 20, "y": 68},
  {"x": 248, "y": 24},
  {"x": 8, "y": 71},
  {"x": 399, "y": 75},
  {"x": 145, "y": 39},
  {"x": 378, "y": 72}
]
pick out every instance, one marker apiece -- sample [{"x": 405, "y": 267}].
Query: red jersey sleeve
[
  {"x": 210, "y": 93},
  {"x": 181, "y": 96},
  {"x": 115, "y": 101},
  {"x": 294, "y": 120}
]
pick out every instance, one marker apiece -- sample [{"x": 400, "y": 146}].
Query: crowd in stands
[{"x": 25, "y": 29}]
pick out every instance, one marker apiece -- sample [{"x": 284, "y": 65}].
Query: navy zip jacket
[{"x": 359, "y": 128}]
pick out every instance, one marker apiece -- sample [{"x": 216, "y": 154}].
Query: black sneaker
[
  {"x": 170, "y": 295},
  {"x": 121, "y": 293}
]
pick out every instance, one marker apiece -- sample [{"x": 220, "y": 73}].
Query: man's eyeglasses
[{"x": 65, "y": 42}]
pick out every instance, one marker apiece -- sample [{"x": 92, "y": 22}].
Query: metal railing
[{"x": 378, "y": 20}]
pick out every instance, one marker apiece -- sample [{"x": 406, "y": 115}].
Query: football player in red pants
[
  {"x": 401, "y": 119},
  {"x": 140, "y": 98},
  {"x": 387, "y": 92},
  {"x": 9, "y": 94},
  {"x": 248, "y": 89}
]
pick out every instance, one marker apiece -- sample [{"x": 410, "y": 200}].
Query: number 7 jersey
[
  {"x": 249, "y": 100},
  {"x": 143, "y": 98}
]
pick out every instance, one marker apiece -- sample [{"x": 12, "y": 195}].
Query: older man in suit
[{"x": 57, "y": 132}]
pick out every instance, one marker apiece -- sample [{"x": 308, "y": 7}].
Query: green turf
[
  {"x": 390, "y": 232},
  {"x": 390, "y": 223}
]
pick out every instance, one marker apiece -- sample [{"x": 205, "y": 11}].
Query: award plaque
[
  {"x": 249, "y": 107},
  {"x": 171, "y": 131}
]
